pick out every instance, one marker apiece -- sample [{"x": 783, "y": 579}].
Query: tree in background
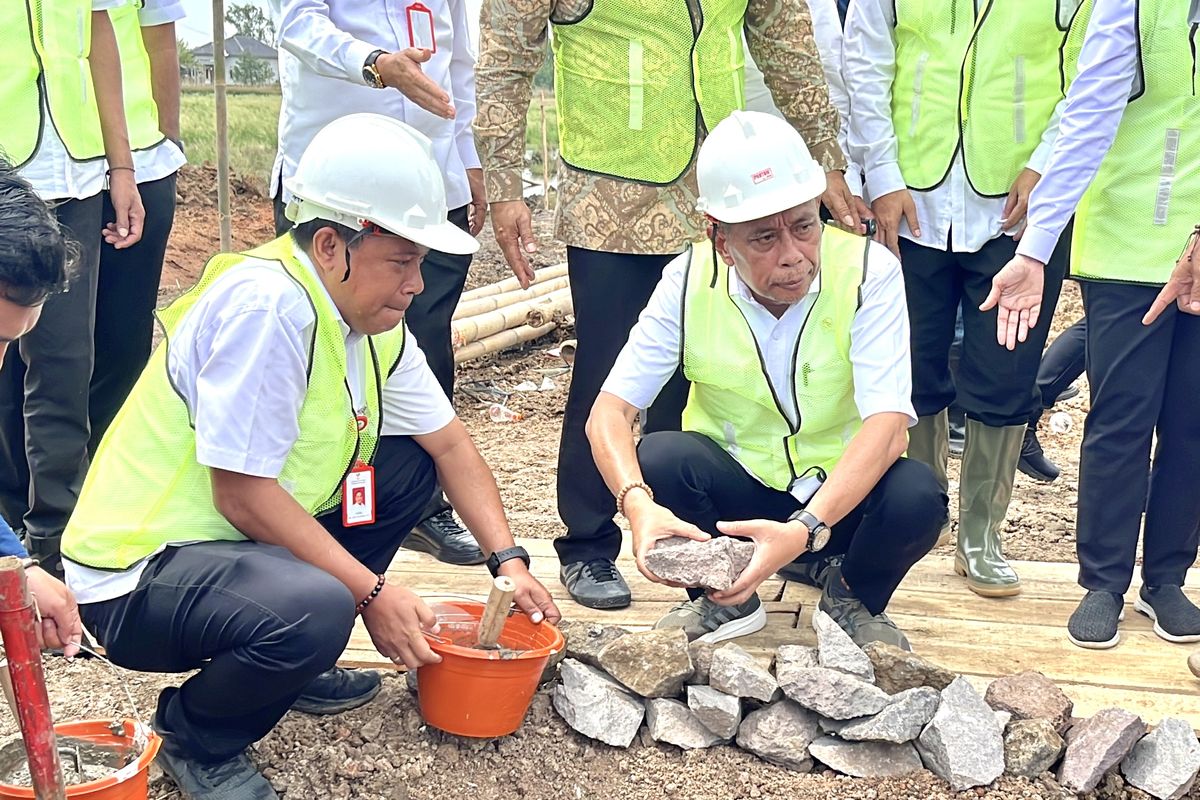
[
  {"x": 250, "y": 71},
  {"x": 189, "y": 67},
  {"x": 250, "y": 21}
]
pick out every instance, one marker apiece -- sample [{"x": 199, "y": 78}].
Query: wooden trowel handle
[{"x": 496, "y": 611}]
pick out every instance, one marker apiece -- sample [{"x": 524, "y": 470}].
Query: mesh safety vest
[
  {"x": 141, "y": 114},
  {"x": 1139, "y": 209},
  {"x": 634, "y": 83},
  {"x": 731, "y": 399},
  {"x": 45, "y": 54},
  {"x": 146, "y": 490},
  {"x": 986, "y": 84}
]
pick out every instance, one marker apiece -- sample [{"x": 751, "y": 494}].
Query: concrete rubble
[
  {"x": 736, "y": 672},
  {"x": 1031, "y": 746},
  {"x": 962, "y": 744},
  {"x": 652, "y": 663},
  {"x": 866, "y": 759},
  {"x": 1165, "y": 762},
  {"x": 1096, "y": 745},
  {"x": 836, "y": 650},
  {"x": 780, "y": 733},
  {"x": 1031, "y": 695},
  {"x": 672, "y": 722},
  {"x": 715, "y": 563},
  {"x": 719, "y": 712},
  {"x": 596, "y": 705}
]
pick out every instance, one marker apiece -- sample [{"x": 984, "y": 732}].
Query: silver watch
[{"x": 818, "y": 532}]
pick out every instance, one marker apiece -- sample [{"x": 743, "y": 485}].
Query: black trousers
[
  {"x": 993, "y": 384},
  {"x": 258, "y": 623},
  {"x": 1144, "y": 381},
  {"x": 126, "y": 296},
  {"x": 609, "y": 290},
  {"x": 881, "y": 539},
  {"x": 1063, "y": 362},
  {"x": 44, "y": 398}
]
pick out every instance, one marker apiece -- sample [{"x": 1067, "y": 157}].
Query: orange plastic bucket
[
  {"x": 129, "y": 783},
  {"x": 481, "y": 693}
]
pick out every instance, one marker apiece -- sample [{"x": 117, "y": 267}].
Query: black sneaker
[
  {"x": 705, "y": 621},
  {"x": 443, "y": 538},
  {"x": 958, "y": 432},
  {"x": 840, "y": 603},
  {"x": 1067, "y": 394},
  {"x": 595, "y": 584},
  {"x": 1033, "y": 461},
  {"x": 235, "y": 779},
  {"x": 1176, "y": 618},
  {"x": 338, "y": 690},
  {"x": 811, "y": 572},
  {"x": 1094, "y": 623}
]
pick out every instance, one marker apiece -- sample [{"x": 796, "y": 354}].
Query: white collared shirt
[
  {"x": 165, "y": 157},
  {"x": 952, "y": 216},
  {"x": 323, "y": 46}
]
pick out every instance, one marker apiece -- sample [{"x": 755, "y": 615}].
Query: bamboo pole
[
  {"x": 495, "y": 613},
  {"x": 472, "y": 329},
  {"x": 502, "y": 341},
  {"x": 560, "y": 305},
  {"x": 482, "y": 305},
  {"x": 226, "y": 227},
  {"x": 510, "y": 284}
]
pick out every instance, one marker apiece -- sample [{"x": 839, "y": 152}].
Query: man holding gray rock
[{"x": 795, "y": 339}]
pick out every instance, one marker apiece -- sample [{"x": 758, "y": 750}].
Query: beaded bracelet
[
  {"x": 366, "y": 601},
  {"x": 626, "y": 489}
]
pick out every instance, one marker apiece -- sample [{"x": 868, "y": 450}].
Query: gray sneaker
[
  {"x": 848, "y": 611},
  {"x": 595, "y": 584},
  {"x": 235, "y": 779},
  {"x": 705, "y": 621}
]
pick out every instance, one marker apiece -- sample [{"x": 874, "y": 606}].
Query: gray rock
[
  {"x": 795, "y": 656},
  {"x": 410, "y": 680},
  {"x": 836, "y": 650},
  {"x": 651, "y": 663},
  {"x": 866, "y": 759},
  {"x": 1031, "y": 695},
  {"x": 897, "y": 670},
  {"x": 585, "y": 640},
  {"x": 1031, "y": 746},
  {"x": 962, "y": 743},
  {"x": 831, "y": 693},
  {"x": 715, "y": 563},
  {"x": 1164, "y": 764},
  {"x": 901, "y": 720},
  {"x": 780, "y": 733},
  {"x": 1096, "y": 745},
  {"x": 736, "y": 672},
  {"x": 596, "y": 705},
  {"x": 1003, "y": 718},
  {"x": 701, "y": 654},
  {"x": 672, "y": 722},
  {"x": 719, "y": 712}
]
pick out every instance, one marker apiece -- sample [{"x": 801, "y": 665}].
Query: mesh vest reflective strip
[
  {"x": 731, "y": 401},
  {"x": 45, "y": 50},
  {"x": 630, "y": 76},
  {"x": 141, "y": 114},
  {"x": 1137, "y": 213},
  {"x": 987, "y": 84},
  {"x": 145, "y": 488}
]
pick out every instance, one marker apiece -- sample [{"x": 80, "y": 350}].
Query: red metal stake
[{"x": 18, "y": 629}]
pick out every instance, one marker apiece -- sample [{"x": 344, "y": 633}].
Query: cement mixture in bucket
[{"x": 83, "y": 760}]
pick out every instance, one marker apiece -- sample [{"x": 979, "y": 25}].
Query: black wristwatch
[
  {"x": 818, "y": 532},
  {"x": 496, "y": 559},
  {"x": 370, "y": 72}
]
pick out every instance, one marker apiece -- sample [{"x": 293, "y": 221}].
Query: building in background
[{"x": 247, "y": 61}]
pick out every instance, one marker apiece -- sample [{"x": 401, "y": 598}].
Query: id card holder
[
  {"x": 358, "y": 496},
  {"x": 420, "y": 27}
]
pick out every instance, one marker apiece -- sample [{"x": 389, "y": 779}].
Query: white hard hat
[
  {"x": 753, "y": 165},
  {"x": 371, "y": 168}
]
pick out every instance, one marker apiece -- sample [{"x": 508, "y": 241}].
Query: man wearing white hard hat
[
  {"x": 250, "y": 494},
  {"x": 794, "y": 336}
]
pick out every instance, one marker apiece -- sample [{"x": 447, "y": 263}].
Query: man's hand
[
  {"x": 650, "y": 523},
  {"x": 126, "y": 229},
  {"x": 395, "y": 619},
  {"x": 1018, "y": 200},
  {"x": 402, "y": 71},
  {"x": 775, "y": 544},
  {"x": 1183, "y": 287},
  {"x": 61, "y": 627},
  {"x": 513, "y": 226},
  {"x": 531, "y": 597},
  {"x": 477, "y": 213},
  {"x": 1017, "y": 290},
  {"x": 888, "y": 211},
  {"x": 839, "y": 200}
]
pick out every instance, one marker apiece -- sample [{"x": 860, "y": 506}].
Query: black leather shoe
[
  {"x": 595, "y": 584},
  {"x": 443, "y": 538},
  {"x": 958, "y": 432},
  {"x": 338, "y": 690},
  {"x": 1033, "y": 461}
]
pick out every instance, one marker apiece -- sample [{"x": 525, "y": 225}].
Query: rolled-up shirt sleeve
[
  {"x": 879, "y": 345},
  {"x": 307, "y": 32},
  {"x": 160, "y": 12},
  {"x": 413, "y": 401}
]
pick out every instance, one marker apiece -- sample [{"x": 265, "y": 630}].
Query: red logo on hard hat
[{"x": 762, "y": 175}]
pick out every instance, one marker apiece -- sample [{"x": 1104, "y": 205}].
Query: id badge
[
  {"x": 420, "y": 27},
  {"x": 358, "y": 496}
]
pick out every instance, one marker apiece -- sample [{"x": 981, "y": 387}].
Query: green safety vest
[
  {"x": 141, "y": 113},
  {"x": 45, "y": 54},
  {"x": 1136, "y": 215},
  {"x": 987, "y": 84},
  {"x": 146, "y": 490},
  {"x": 731, "y": 400},
  {"x": 634, "y": 83}
]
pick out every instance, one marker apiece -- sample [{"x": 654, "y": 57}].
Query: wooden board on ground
[{"x": 981, "y": 638}]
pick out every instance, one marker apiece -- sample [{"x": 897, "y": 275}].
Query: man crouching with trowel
[
  {"x": 795, "y": 339},
  {"x": 281, "y": 443}
]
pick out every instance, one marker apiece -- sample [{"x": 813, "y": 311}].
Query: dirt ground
[{"x": 385, "y": 751}]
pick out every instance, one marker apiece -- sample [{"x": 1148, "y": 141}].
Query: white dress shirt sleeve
[
  {"x": 462, "y": 85},
  {"x": 879, "y": 343},
  {"x": 160, "y": 12},
  {"x": 108, "y": 5},
  {"x": 413, "y": 401},
  {"x": 869, "y": 54},
  {"x": 307, "y": 32},
  {"x": 652, "y": 353},
  {"x": 1091, "y": 114}
]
